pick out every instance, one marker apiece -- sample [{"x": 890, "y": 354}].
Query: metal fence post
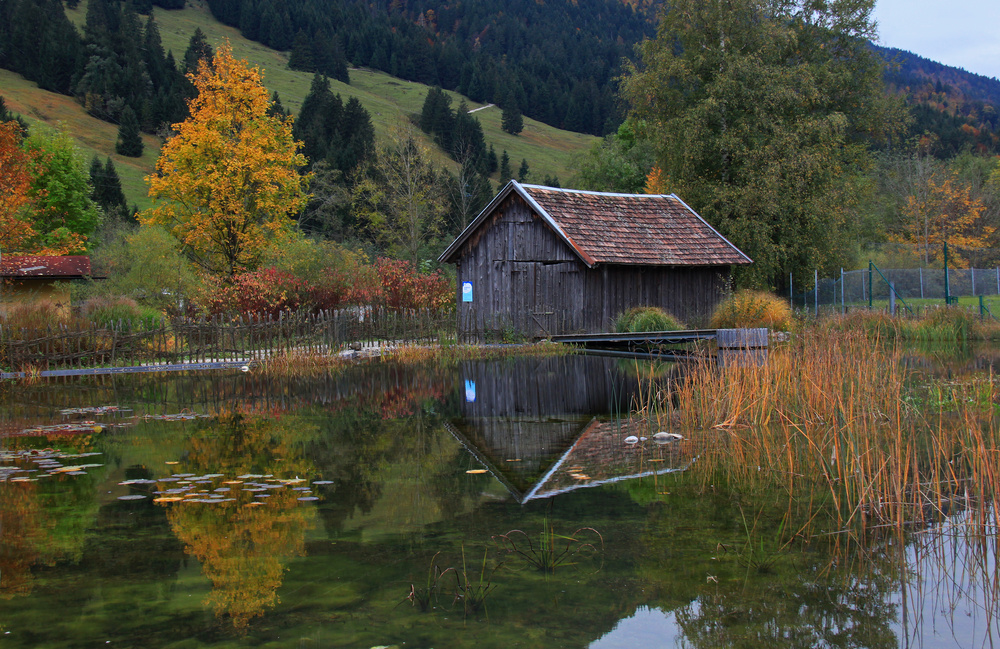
[
  {"x": 843, "y": 309},
  {"x": 869, "y": 284}
]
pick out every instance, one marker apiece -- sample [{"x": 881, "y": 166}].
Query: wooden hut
[
  {"x": 542, "y": 261},
  {"x": 34, "y": 278}
]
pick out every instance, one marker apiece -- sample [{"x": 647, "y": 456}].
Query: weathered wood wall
[{"x": 527, "y": 281}]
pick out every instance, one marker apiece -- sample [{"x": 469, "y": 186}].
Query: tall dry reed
[{"x": 835, "y": 420}]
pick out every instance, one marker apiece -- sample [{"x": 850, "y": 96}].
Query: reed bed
[{"x": 834, "y": 419}]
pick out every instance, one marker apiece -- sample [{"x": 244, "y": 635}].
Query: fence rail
[{"x": 217, "y": 339}]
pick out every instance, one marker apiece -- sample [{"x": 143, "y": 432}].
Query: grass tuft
[
  {"x": 752, "y": 309},
  {"x": 646, "y": 318}
]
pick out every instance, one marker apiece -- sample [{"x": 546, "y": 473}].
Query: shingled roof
[
  {"x": 606, "y": 228},
  {"x": 44, "y": 266}
]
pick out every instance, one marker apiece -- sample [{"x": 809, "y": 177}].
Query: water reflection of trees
[
  {"x": 20, "y": 534},
  {"x": 244, "y": 545}
]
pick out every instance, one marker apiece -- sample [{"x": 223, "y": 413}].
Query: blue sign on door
[{"x": 467, "y": 291}]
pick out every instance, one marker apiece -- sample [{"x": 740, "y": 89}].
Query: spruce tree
[
  {"x": 505, "y": 172},
  {"x": 511, "y": 120},
  {"x": 106, "y": 188},
  {"x": 129, "y": 138},
  {"x": 522, "y": 172},
  {"x": 277, "y": 109},
  {"x": 301, "y": 57},
  {"x": 7, "y": 116},
  {"x": 198, "y": 49}
]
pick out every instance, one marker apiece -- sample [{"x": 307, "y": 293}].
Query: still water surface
[{"x": 229, "y": 510}]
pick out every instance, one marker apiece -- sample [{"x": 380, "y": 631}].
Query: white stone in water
[
  {"x": 664, "y": 437},
  {"x": 631, "y": 439}
]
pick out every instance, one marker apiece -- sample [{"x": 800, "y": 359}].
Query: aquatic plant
[
  {"x": 423, "y": 596},
  {"x": 473, "y": 591},
  {"x": 551, "y": 550}
]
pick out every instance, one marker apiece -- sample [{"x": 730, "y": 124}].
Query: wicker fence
[{"x": 217, "y": 339}]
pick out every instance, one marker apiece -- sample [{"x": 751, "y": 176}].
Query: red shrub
[
  {"x": 261, "y": 292},
  {"x": 405, "y": 287}
]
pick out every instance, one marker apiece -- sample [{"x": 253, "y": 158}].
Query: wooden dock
[
  {"x": 636, "y": 342},
  {"x": 661, "y": 342}
]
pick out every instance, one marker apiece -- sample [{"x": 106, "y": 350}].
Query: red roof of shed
[
  {"x": 605, "y": 228},
  {"x": 31, "y": 266}
]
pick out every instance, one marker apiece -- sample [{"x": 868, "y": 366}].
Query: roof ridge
[{"x": 596, "y": 193}]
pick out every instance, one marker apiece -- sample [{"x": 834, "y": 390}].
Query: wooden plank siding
[{"x": 527, "y": 280}]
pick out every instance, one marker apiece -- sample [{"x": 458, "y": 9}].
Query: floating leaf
[
  {"x": 476, "y": 471},
  {"x": 132, "y": 497}
]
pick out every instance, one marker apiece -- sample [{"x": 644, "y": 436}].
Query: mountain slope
[{"x": 390, "y": 101}]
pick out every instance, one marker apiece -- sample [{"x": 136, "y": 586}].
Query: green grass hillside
[{"x": 391, "y": 101}]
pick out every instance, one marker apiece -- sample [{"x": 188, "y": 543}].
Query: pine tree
[
  {"x": 198, "y": 49},
  {"x": 106, "y": 188},
  {"x": 522, "y": 172},
  {"x": 277, "y": 109},
  {"x": 511, "y": 120},
  {"x": 505, "y": 173},
  {"x": 7, "y": 116},
  {"x": 129, "y": 138},
  {"x": 492, "y": 163},
  {"x": 301, "y": 57}
]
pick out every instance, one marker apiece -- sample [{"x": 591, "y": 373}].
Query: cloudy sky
[{"x": 962, "y": 33}]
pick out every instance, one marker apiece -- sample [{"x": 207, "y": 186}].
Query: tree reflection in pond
[{"x": 244, "y": 543}]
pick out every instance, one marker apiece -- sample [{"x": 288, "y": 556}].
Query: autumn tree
[
  {"x": 228, "y": 181},
  {"x": 15, "y": 229},
  {"x": 401, "y": 199},
  {"x": 761, "y": 113},
  {"x": 946, "y": 211}
]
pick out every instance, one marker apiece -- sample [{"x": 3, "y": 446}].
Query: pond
[{"x": 483, "y": 503}]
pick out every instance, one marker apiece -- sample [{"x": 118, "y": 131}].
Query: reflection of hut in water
[
  {"x": 598, "y": 455},
  {"x": 525, "y": 419}
]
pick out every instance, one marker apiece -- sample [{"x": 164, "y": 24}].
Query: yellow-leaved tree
[
  {"x": 228, "y": 181},
  {"x": 946, "y": 211}
]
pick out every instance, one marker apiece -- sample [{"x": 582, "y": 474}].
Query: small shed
[
  {"x": 542, "y": 261},
  {"x": 40, "y": 277}
]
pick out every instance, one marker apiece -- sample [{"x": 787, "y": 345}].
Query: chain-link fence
[{"x": 917, "y": 288}]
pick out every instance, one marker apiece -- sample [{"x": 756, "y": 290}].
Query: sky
[{"x": 960, "y": 33}]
